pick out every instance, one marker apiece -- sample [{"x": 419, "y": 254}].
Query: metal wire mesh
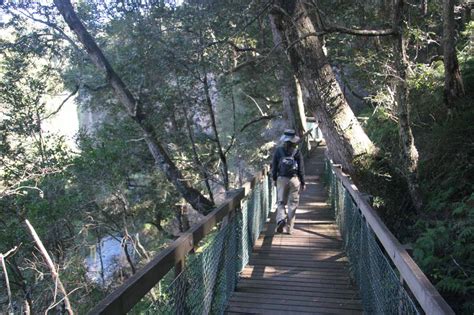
[
  {"x": 379, "y": 283},
  {"x": 210, "y": 274}
]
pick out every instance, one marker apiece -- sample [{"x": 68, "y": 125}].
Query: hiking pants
[{"x": 288, "y": 196}]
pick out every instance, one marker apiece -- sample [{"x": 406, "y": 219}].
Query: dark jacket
[{"x": 279, "y": 154}]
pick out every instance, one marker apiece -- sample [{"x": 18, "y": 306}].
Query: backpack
[{"x": 288, "y": 165}]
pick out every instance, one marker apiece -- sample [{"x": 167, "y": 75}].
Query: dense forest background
[{"x": 179, "y": 103}]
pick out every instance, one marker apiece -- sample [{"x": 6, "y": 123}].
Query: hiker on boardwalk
[{"x": 288, "y": 176}]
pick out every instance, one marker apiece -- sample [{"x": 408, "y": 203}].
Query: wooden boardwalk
[{"x": 302, "y": 273}]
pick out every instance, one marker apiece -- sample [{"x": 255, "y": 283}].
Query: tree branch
[
  {"x": 134, "y": 109},
  {"x": 53, "y": 26},
  {"x": 256, "y": 103},
  {"x": 95, "y": 88},
  {"x": 7, "y": 281},
  {"x": 231, "y": 43},
  {"x": 76, "y": 89},
  {"x": 333, "y": 28},
  {"x": 257, "y": 120},
  {"x": 51, "y": 266}
]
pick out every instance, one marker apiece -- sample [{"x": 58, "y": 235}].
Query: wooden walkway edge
[{"x": 303, "y": 273}]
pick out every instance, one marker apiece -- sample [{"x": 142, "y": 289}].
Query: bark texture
[
  {"x": 290, "y": 90},
  {"x": 409, "y": 153},
  {"x": 321, "y": 92},
  {"x": 134, "y": 109},
  {"x": 453, "y": 84}
]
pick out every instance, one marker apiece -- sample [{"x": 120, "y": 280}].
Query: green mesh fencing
[
  {"x": 378, "y": 281},
  {"x": 210, "y": 274}
]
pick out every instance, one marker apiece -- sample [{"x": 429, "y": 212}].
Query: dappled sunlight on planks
[{"x": 303, "y": 273}]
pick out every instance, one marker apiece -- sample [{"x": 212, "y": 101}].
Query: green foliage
[
  {"x": 444, "y": 233},
  {"x": 163, "y": 52},
  {"x": 382, "y": 128},
  {"x": 34, "y": 169}
]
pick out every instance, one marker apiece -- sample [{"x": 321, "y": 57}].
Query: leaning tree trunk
[
  {"x": 322, "y": 94},
  {"x": 453, "y": 85},
  {"x": 409, "y": 153},
  {"x": 134, "y": 110},
  {"x": 220, "y": 149},
  {"x": 293, "y": 106},
  {"x": 293, "y": 103}
]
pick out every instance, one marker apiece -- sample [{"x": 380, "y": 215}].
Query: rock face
[{"x": 89, "y": 118}]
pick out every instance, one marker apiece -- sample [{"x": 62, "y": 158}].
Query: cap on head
[{"x": 289, "y": 135}]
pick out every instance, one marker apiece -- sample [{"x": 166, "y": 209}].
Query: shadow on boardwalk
[{"x": 302, "y": 273}]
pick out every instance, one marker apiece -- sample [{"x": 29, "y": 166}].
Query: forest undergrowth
[{"x": 441, "y": 235}]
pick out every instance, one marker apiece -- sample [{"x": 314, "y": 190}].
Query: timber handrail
[
  {"x": 137, "y": 286},
  {"x": 422, "y": 289}
]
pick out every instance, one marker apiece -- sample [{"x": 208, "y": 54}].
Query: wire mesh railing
[
  {"x": 211, "y": 273},
  {"x": 206, "y": 260},
  {"x": 378, "y": 263}
]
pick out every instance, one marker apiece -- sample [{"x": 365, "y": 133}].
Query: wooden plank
[
  {"x": 285, "y": 252},
  {"x": 308, "y": 247},
  {"x": 298, "y": 242},
  {"x": 297, "y": 289},
  {"x": 311, "y": 257},
  {"x": 250, "y": 310},
  {"x": 260, "y": 269},
  {"x": 292, "y": 308},
  {"x": 318, "y": 273},
  {"x": 298, "y": 239},
  {"x": 336, "y": 265},
  {"x": 297, "y": 286},
  {"x": 323, "y": 280},
  {"x": 299, "y": 232},
  {"x": 315, "y": 256},
  {"x": 314, "y": 293},
  {"x": 423, "y": 290},
  {"x": 322, "y": 275},
  {"x": 290, "y": 300}
]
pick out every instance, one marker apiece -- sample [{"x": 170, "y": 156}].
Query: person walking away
[{"x": 288, "y": 176}]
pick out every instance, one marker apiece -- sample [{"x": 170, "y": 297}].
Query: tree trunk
[
  {"x": 424, "y": 7},
  {"x": 196, "y": 158},
  {"x": 322, "y": 94},
  {"x": 300, "y": 109},
  {"x": 134, "y": 109},
  {"x": 293, "y": 106},
  {"x": 453, "y": 85},
  {"x": 409, "y": 153},
  {"x": 466, "y": 13},
  {"x": 222, "y": 155}
]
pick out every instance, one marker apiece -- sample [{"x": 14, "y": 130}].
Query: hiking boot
[{"x": 280, "y": 226}]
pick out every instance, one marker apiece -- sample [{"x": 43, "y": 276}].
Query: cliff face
[
  {"x": 61, "y": 117},
  {"x": 89, "y": 118}
]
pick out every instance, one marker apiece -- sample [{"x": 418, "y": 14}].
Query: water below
[{"x": 113, "y": 257}]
